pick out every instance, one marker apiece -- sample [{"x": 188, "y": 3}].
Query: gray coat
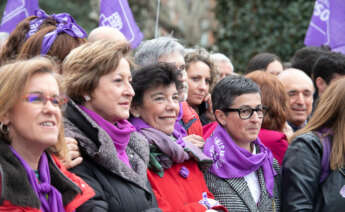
[
  {"x": 117, "y": 186},
  {"x": 235, "y": 195}
]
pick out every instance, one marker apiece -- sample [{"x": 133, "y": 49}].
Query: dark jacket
[
  {"x": 301, "y": 171},
  {"x": 18, "y": 195},
  {"x": 117, "y": 187}
]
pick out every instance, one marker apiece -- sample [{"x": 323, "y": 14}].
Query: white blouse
[{"x": 253, "y": 182}]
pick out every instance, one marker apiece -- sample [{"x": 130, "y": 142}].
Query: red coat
[
  {"x": 191, "y": 120},
  {"x": 276, "y": 141},
  {"x": 175, "y": 193},
  {"x": 12, "y": 194}
]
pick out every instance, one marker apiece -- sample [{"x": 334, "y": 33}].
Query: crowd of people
[{"x": 89, "y": 124}]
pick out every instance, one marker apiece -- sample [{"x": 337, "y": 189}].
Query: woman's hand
[
  {"x": 196, "y": 140},
  {"x": 209, "y": 112},
  {"x": 72, "y": 157}
]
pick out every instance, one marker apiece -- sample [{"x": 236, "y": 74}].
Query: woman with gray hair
[{"x": 168, "y": 50}]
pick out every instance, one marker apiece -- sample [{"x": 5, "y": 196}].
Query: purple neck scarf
[
  {"x": 119, "y": 133},
  {"x": 44, "y": 188},
  {"x": 232, "y": 161},
  {"x": 66, "y": 24},
  {"x": 178, "y": 151}
]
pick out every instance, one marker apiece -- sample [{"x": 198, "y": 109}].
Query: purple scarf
[
  {"x": 178, "y": 151},
  {"x": 119, "y": 133},
  {"x": 232, "y": 161},
  {"x": 44, "y": 188},
  {"x": 65, "y": 24}
]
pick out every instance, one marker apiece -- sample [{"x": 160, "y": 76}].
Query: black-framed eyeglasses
[{"x": 246, "y": 112}]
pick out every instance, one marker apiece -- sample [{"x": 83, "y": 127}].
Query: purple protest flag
[
  {"x": 118, "y": 14},
  {"x": 327, "y": 25},
  {"x": 337, "y": 23},
  {"x": 15, "y": 12}
]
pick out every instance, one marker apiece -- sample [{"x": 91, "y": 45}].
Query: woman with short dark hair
[
  {"x": 174, "y": 174},
  {"x": 244, "y": 175}
]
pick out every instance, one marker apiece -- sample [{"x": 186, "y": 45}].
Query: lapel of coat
[
  {"x": 239, "y": 185},
  {"x": 265, "y": 202}
]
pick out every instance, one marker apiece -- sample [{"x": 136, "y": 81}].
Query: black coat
[
  {"x": 301, "y": 171},
  {"x": 117, "y": 187}
]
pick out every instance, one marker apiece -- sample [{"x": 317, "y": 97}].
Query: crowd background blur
[{"x": 211, "y": 27}]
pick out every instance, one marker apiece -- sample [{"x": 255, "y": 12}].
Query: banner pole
[{"x": 157, "y": 19}]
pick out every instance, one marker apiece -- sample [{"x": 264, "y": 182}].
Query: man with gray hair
[
  {"x": 223, "y": 64},
  {"x": 300, "y": 89},
  {"x": 106, "y": 33},
  {"x": 164, "y": 49}
]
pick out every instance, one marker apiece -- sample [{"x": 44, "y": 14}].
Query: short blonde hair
[
  {"x": 14, "y": 78},
  {"x": 86, "y": 64}
]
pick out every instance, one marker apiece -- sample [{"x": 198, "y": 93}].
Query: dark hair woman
[{"x": 174, "y": 174}]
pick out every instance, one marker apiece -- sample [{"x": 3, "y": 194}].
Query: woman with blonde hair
[
  {"x": 201, "y": 73},
  {"x": 313, "y": 168},
  {"x": 31, "y": 136}
]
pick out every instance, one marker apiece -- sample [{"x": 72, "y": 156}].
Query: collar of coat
[
  {"x": 95, "y": 144},
  {"x": 15, "y": 185}
]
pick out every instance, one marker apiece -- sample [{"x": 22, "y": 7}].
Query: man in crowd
[
  {"x": 223, "y": 64},
  {"x": 300, "y": 89},
  {"x": 327, "y": 69},
  {"x": 106, "y": 33}
]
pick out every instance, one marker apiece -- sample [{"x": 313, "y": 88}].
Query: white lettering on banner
[
  {"x": 14, "y": 13},
  {"x": 113, "y": 20},
  {"x": 321, "y": 11},
  {"x": 217, "y": 156}
]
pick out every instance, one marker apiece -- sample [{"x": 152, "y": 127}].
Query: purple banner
[
  {"x": 117, "y": 14},
  {"x": 15, "y": 12},
  {"x": 327, "y": 25}
]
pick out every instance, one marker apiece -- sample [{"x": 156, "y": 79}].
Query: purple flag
[
  {"x": 118, "y": 14},
  {"x": 327, "y": 25},
  {"x": 15, "y": 12}
]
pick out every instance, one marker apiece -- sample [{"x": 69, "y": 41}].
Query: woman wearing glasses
[
  {"x": 244, "y": 175},
  {"x": 31, "y": 136}
]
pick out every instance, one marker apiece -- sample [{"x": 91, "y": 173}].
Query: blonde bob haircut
[
  {"x": 14, "y": 78},
  {"x": 330, "y": 113},
  {"x": 86, "y": 64}
]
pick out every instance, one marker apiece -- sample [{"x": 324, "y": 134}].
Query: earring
[
  {"x": 87, "y": 98},
  {"x": 3, "y": 128},
  {"x": 136, "y": 115}
]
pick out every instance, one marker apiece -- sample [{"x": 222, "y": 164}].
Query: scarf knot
[
  {"x": 54, "y": 201},
  {"x": 44, "y": 188},
  {"x": 166, "y": 150},
  {"x": 232, "y": 161},
  {"x": 120, "y": 132}
]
